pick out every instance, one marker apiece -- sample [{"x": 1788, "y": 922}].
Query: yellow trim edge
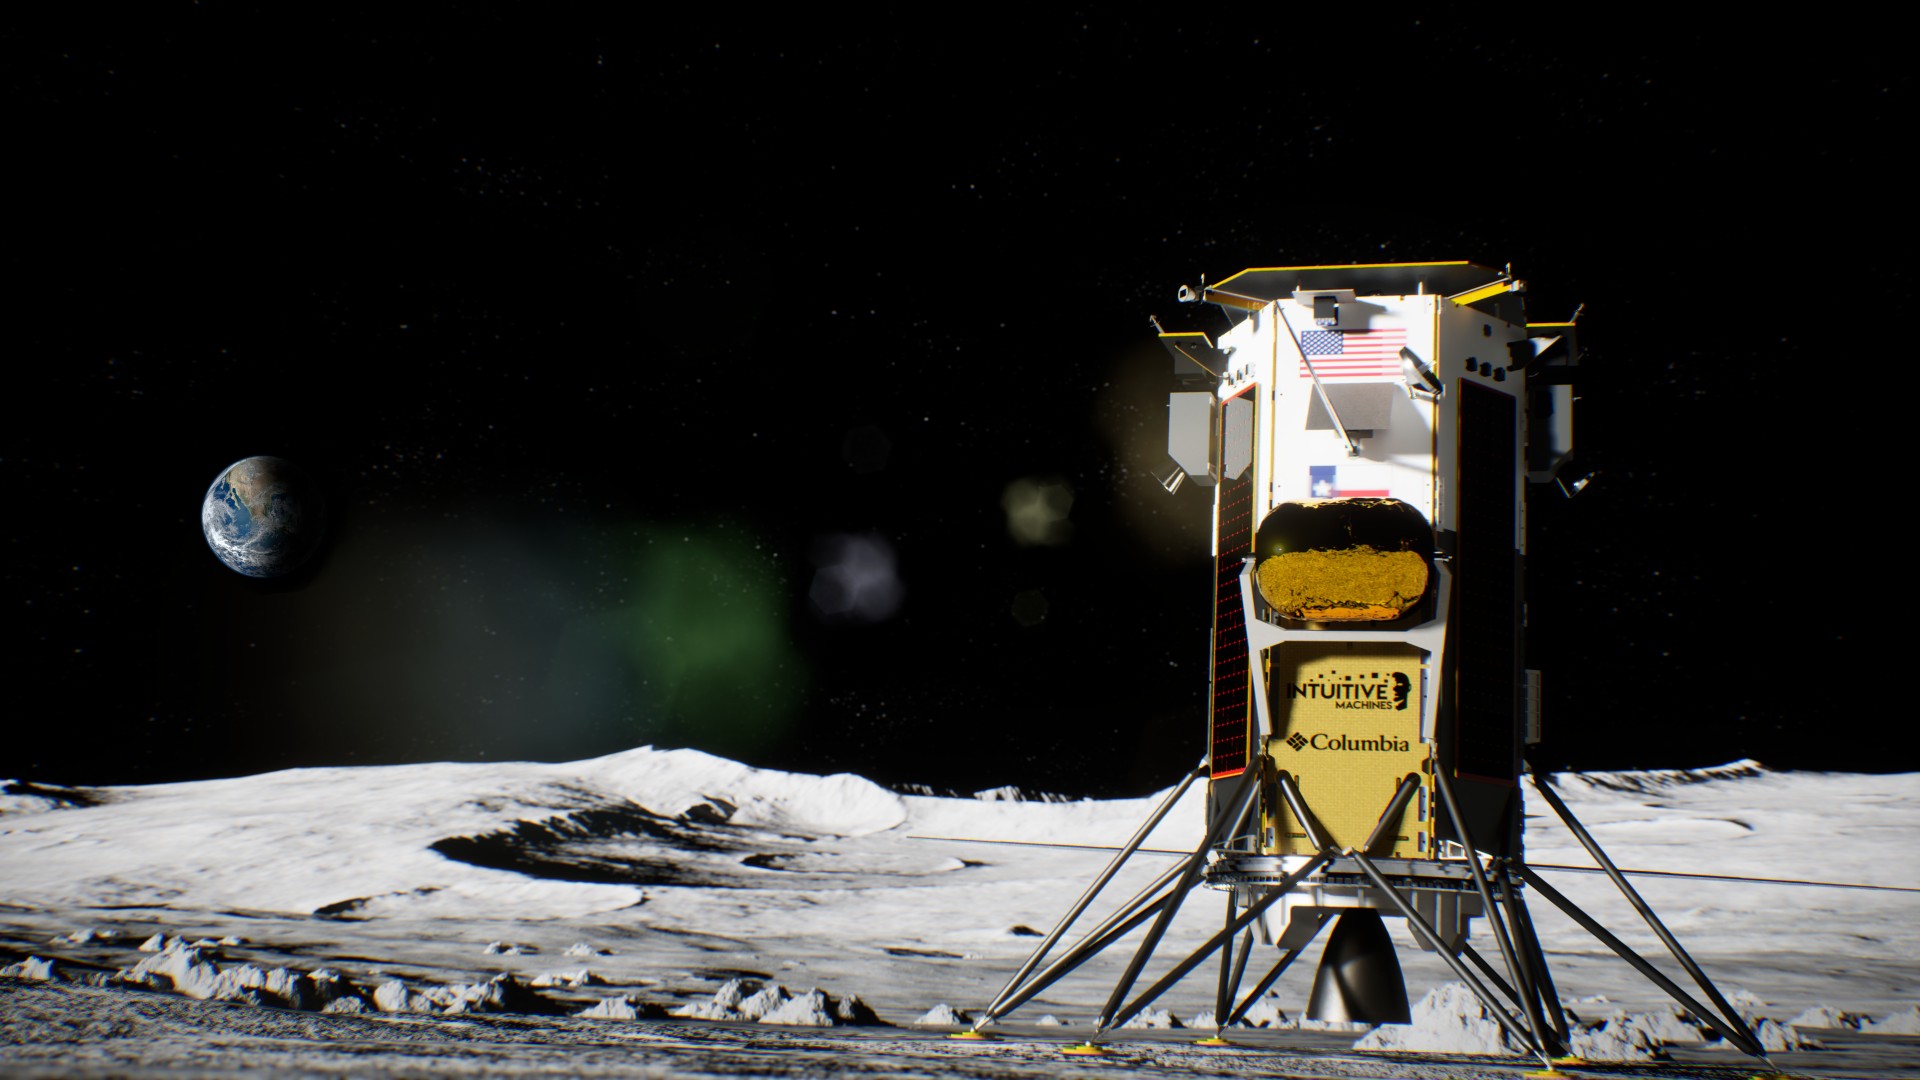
[
  {"x": 1342, "y": 266},
  {"x": 1474, "y": 296}
]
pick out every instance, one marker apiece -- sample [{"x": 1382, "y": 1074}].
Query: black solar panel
[
  {"x": 1488, "y": 639},
  {"x": 1228, "y": 750}
]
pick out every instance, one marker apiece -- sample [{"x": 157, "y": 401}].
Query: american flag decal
[{"x": 1353, "y": 354}]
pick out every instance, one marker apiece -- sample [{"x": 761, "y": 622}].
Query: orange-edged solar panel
[{"x": 1230, "y": 711}]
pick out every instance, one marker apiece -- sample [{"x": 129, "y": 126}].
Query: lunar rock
[
  {"x": 1667, "y": 1027},
  {"x": 502, "y": 993},
  {"x": 1265, "y": 1013},
  {"x": 279, "y": 986},
  {"x": 190, "y": 970},
  {"x": 1900, "y": 1023},
  {"x": 623, "y": 1007},
  {"x": 182, "y": 969},
  {"x": 1448, "y": 1020},
  {"x": 1775, "y": 1037},
  {"x": 768, "y": 998},
  {"x": 394, "y": 996},
  {"x": 1826, "y": 1016},
  {"x": 1309, "y": 1024},
  {"x": 1619, "y": 1038},
  {"x": 770, "y": 1003},
  {"x": 85, "y": 936},
  {"x": 582, "y": 977},
  {"x": 944, "y": 1015},
  {"x": 1747, "y": 1003},
  {"x": 806, "y": 1010},
  {"x": 1151, "y": 1019},
  {"x": 34, "y": 968},
  {"x": 853, "y": 1012},
  {"x": 727, "y": 1002},
  {"x": 709, "y": 1010},
  {"x": 331, "y": 988},
  {"x": 724, "y": 1004}
]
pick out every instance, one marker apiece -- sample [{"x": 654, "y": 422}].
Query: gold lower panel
[{"x": 1347, "y": 729}]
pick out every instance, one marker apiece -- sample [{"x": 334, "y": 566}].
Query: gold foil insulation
[{"x": 1357, "y": 584}]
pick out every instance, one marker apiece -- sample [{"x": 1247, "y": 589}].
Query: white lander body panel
[{"x": 1402, "y": 442}]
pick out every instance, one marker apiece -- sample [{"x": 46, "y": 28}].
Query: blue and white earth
[{"x": 263, "y": 517}]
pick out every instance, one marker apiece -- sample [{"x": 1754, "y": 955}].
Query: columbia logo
[{"x": 1296, "y": 740}]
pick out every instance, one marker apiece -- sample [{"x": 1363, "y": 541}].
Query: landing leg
[
  {"x": 1233, "y": 967},
  {"x": 1746, "y": 1041}
]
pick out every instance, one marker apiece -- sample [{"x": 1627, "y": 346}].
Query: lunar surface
[{"x": 713, "y": 919}]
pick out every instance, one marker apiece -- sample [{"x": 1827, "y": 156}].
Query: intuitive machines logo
[
  {"x": 1347, "y": 729},
  {"x": 1388, "y": 690},
  {"x": 1373, "y": 690}
]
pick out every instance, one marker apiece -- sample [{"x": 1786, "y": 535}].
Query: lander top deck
[{"x": 1268, "y": 283}]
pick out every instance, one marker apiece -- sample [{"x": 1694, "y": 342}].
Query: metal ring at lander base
[{"x": 1233, "y": 869}]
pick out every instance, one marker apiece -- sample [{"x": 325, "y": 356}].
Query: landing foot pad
[
  {"x": 1085, "y": 1050},
  {"x": 1211, "y": 1040},
  {"x": 981, "y": 1035}
]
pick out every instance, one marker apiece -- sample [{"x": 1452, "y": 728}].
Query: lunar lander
[{"x": 1369, "y": 433}]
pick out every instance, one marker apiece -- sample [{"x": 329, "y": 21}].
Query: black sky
[{"x": 586, "y": 327}]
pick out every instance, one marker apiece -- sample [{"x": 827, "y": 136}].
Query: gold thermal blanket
[{"x": 1356, "y": 584}]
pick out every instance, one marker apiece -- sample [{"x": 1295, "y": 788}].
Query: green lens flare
[{"x": 706, "y": 637}]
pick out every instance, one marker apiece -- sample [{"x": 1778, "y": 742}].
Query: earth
[{"x": 263, "y": 517}]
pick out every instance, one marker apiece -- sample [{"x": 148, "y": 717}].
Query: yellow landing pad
[
  {"x": 1085, "y": 1050},
  {"x": 980, "y": 1035},
  {"x": 1212, "y": 1040}
]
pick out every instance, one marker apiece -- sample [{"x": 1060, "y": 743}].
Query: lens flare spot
[
  {"x": 856, "y": 579},
  {"x": 1037, "y": 511},
  {"x": 1030, "y": 607}
]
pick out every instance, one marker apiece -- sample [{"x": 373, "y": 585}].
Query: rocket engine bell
[{"x": 1369, "y": 433}]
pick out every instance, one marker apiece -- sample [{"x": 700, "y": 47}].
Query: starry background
[{"x": 606, "y": 344}]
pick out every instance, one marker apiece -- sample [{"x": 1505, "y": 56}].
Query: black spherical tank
[{"x": 1340, "y": 524}]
